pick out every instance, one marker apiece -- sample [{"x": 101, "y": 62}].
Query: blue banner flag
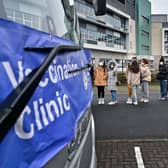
[{"x": 48, "y": 122}]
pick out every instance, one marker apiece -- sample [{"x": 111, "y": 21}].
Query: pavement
[
  {"x": 121, "y": 154},
  {"x": 129, "y": 136}
]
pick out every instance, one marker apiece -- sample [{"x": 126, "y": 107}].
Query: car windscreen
[{"x": 53, "y": 16}]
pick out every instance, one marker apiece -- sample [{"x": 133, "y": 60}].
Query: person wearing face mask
[
  {"x": 134, "y": 80},
  {"x": 167, "y": 80},
  {"x": 162, "y": 77},
  {"x": 112, "y": 80},
  {"x": 145, "y": 79},
  {"x": 100, "y": 80},
  {"x": 129, "y": 87}
]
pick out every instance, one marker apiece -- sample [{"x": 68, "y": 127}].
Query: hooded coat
[
  {"x": 112, "y": 77},
  {"x": 145, "y": 73},
  {"x": 100, "y": 76}
]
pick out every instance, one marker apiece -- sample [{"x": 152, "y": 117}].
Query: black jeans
[{"x": 100, "y": 90}]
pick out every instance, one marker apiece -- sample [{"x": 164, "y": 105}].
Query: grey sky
[{"x": 159, "y": 6}]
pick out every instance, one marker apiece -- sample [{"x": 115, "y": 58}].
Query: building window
[
  {"x": 145, "y": 47},
  {"x": 115, "y": 40},
  {"x": 145, "y": 19},
  {"x": 131, "y": 2},
  {"x": 145, "y": 33},
  {"x": 166, "y": 47},
  {"x": 166, "y": 36},
  {"x": 122, "y": 1},
  {"x": 116, "y": 22},
  {"x": 166, "y": 42},
  {"x": 84, "y": 9},
  {"x": 24, "y": 18}
]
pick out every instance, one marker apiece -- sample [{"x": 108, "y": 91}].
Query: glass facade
[
  {"x": 33, "y": 21},
  {"x": 114, "y": 40},
  {"x": 111, "y": 32},
  {"x": 54, "y": 17},
  {"x": 85, "y": 9},
  {"x": 166, "y": 42},
  {"x": 116, "y": 22}
]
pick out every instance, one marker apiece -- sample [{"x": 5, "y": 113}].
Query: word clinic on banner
[{"x": 59, "y": 105}]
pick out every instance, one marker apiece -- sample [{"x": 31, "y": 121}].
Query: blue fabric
[
  {"x": 114, "y": 95},
  {"x": 163, "y": 88},
  {"x": 134, "y": 93},
  {"x": 49, "y": 120}
]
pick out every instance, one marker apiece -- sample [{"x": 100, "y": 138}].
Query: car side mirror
[{"x": 100, "y": 7}]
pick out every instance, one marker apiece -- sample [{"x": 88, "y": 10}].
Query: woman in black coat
[{"x": 162, "y": 77}]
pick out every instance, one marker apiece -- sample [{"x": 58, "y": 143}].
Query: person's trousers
[
  {"x": 129, "y": 90},
  {"x": 100, "y": 90},
  {"x": 134, "y": 93},
  {"x": 145, "y": 89},
  {"x": 163, "y": 88},
  {"x": 114, "y": 95}
]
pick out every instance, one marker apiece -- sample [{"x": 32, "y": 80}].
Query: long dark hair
[
  {"x": 134, "y": 67},
  {"x": 161, "y": 59},
  {"x": 145, "y": 61}
]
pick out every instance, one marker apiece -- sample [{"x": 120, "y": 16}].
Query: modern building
[
  {"x": 111, "y": 36},
  {"x": 159, "y": 37},
  {"x": 143, "y": 28}
]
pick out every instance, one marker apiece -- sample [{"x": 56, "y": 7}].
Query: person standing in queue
[
  {"x": 162, "y": 77},
  {"x": 134, "y": 80},
  {"x": 100, "y": 80},
  {"x": 129, "y": 87},
  {"x": 112, "y": 82},
  {"x": 145, "y": 79}
]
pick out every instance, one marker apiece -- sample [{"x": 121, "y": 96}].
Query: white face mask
[
  {"x": 161, "y": 63},
  {"x": 100, "y": 63},
  {"x": 111, "y": 66}
]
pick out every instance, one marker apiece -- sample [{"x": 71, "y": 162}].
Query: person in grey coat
[{"x": 112, "y": 80}]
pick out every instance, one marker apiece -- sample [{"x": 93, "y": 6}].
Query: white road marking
[{"x": 138, "y": 156}]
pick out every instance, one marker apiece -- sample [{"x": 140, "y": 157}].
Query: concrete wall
[
  {"x": 156, "y": 42},
  {"x": 132, "y": 39}
]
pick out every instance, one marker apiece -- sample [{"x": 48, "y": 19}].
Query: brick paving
[{"x": 120, "y": 154}]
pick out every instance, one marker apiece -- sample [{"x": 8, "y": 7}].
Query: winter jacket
[
  {"x": 162, "y": 74},
  {"x": 133, "y": 78},
  {"x": 112, "y": 79},
  {"x": 145, "y": 73},
  {"x": 100, "y": 76}
]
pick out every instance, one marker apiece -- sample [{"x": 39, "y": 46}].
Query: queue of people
[
  {"x": 138, "y": 76},
  {"x": 100, "y": 80}
]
